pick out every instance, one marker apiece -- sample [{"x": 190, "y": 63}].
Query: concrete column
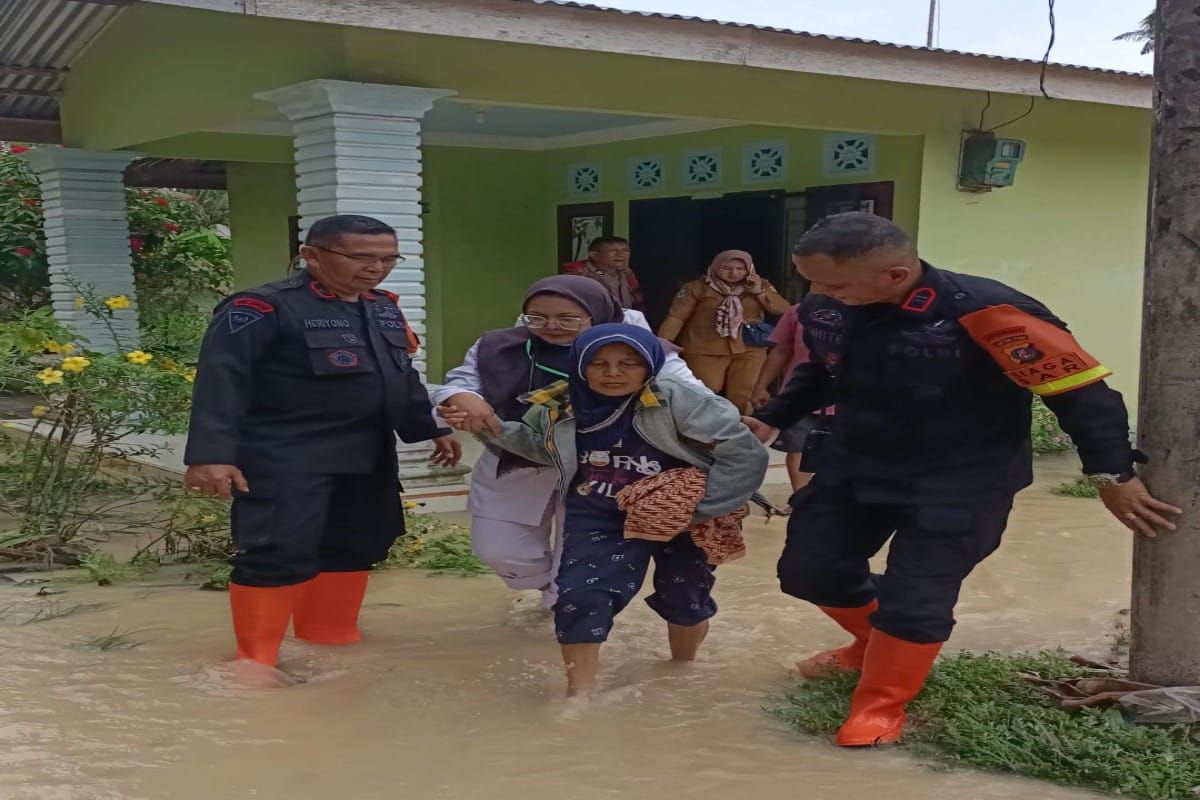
[
  {"x": 358, "y": 151},
  {"x": 87, "y": 239}
]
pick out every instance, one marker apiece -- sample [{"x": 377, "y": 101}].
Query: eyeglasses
[
  {"x": 537, "y": 322},
  {"x": 387, "y": 262}
]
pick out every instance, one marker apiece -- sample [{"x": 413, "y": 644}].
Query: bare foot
[{"x": 253, "y": 675}]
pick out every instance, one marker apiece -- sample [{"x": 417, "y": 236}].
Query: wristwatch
[{"x": 1105, "y": 480}]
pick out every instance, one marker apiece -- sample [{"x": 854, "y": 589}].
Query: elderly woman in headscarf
[
  {"x": 617, "y": 420},
  {"x": 514, "y": 502},
  {"x": 716, "y": 320}
]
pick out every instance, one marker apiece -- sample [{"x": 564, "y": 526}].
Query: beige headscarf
[{"x": 729, "y": 313}]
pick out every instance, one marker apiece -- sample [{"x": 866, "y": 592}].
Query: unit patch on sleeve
[{"x": 1033, "y": 353}]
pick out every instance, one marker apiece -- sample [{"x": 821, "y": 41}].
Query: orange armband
[{"x": 1032, "y": 352}]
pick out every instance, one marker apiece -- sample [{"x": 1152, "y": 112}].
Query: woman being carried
[{"x": 616, "y": 421}]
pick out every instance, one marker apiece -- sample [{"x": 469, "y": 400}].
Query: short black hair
[
  {"x": 850, "y": 235},
  {"x": 600, "y": 241},
  {"x": 326, "y": 231}
]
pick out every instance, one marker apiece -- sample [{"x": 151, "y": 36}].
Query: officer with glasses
[{"x": 302, "y": 386}]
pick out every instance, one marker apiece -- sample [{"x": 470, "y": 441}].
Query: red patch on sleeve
[
  {"x": 1032, "y": 352},
  {"x": 253, "y": 302},
  {"x": 395, "y": 298}
]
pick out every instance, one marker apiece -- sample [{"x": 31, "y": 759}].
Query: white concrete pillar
[
  {"x": 87, "y": 239},
  {"x": 358, "y": 151}
]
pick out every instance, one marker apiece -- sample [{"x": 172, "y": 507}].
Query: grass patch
[
  {"x": 214, "y": 575},
  {"x": 977, "y": 711},
  {"x": 26, "y": 614},
  {"x": 433, "y": 544},
  {"x": 1080, "y": 487},
  {"x": 115, "y": 640}
]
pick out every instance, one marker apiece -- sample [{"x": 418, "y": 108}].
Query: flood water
[{"x": 456, "y": 695}]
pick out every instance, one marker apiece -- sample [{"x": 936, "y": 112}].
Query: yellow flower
[
  {"x": 39, "y": 411},
  {"x": 138, "y": 357},
  {"x": 68, "y": 348},
  {"x": 118, "y": 302},
  {"x": 169, "y": 364},
  {"x": 189, "y": 374},
  {"x": 50, "y": 375},
  {"x": 52, "y": 346},
  {"x": 79, "y": 301},
  {"x": 76, "y": 363}
]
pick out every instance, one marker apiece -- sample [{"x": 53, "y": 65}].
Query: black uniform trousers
[
  {"x": 831, "y": 536},
  {"x": 291, "y": 526}
]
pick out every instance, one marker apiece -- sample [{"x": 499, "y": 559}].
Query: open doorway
[{"x": 675, "y": 238}]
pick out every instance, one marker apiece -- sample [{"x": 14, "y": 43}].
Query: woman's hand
[
  {"x": 470, "y": 413},
  {"x": 755, "y": 284}
]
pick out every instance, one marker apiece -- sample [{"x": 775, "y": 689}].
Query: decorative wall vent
[
  {"x": 583, "y": 179},
  {"x": 646, "y": 173},
  {"x": 702, "y": 168},
  {"x": 764, "y": 162},
  {"x": 849, "y": 154}
]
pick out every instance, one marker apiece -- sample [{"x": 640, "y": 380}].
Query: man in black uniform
[
  {"x": 301, "y": 388},
  {"x": 932, "y": 374}
]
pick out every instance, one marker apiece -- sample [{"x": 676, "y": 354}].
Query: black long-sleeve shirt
[
  {"x": 933, "y": 395},
  {"x": 292, "y": 379}
]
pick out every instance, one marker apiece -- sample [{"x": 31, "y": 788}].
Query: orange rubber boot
[
  {"x": 893, "y": 673},
  {"x": 260, "y": 619},
  {"x": 328, "y": 611},
  {"x": 844, "y": 659}
]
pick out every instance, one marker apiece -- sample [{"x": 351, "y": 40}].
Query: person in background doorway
[
  {"x": 302, "y": 387},
  {"x": 608, "y": 263},
  {"x": 617, "y": 420},
  {"x": 788, "y": 351},
  {"x": 717, "y": 321},
  {"x": 513, "y": 502}
]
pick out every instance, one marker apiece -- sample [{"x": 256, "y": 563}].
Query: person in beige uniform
[{"x": 708, "y": 319}]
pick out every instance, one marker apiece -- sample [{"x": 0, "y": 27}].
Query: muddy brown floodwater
[{"x": 455, "y": 695}]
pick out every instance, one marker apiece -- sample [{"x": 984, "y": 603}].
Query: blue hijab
[{"x": 591, "y": 408}]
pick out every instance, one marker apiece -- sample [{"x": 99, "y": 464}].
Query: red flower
[
  {"x": 18, "y": 148},
  {"x": 171, "y": 226},
  {"x": 29, "y": 201},
  {"x": 162, "y": 201},
  {"x": 136, "y": 244},
  {"x": 24, "y": 251}
]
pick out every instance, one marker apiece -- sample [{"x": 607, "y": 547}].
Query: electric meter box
[{"x": 989, "y": 162}]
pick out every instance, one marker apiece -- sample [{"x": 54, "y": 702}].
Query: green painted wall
[
  {"x": 486, "y": 240},
  {"x": 1071, "y": 230},
  {"x": 261, "y": 198},
  {"x": 898, "y": 159}
]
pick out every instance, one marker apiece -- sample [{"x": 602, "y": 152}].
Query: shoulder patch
[
  {"x": 261, "y": 306},
  {"x": 1033, "y": 353},
  {"x": 242, "y": 318}
]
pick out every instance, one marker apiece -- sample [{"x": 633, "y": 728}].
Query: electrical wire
[
  {"x": 1028, "y": 111},
  {"x": 985, "y": 109},
  {"x": 1041, "y": 79},
  {"x": 1049, "y": 47}
]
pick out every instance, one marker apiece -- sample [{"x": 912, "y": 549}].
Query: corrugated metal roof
[
  {"x": 44, "y": 37},
  {"x": 807, "y": 34}
]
